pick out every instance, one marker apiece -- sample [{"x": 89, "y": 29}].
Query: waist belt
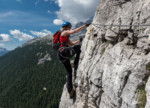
[{"x": 61, "y": 49}]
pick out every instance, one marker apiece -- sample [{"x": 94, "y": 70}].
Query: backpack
[{"x": 56, "y": 42}]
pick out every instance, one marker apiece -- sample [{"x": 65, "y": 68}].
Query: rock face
[{"x": 114, "y": 64}]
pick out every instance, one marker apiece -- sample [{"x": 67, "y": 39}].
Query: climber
[{"x": 67, "y": 50}]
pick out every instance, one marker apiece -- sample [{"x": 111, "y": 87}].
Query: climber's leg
[
  {"x": 66, "y": 63},
  {"x": 69, "y": 75},
  {"x": 77, "y": 49},
  {"x": 64, "y": 57},
  {"x": 69, "y": 78}
]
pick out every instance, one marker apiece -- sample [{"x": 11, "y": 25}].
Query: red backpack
[{"x": 56, "y": 42}]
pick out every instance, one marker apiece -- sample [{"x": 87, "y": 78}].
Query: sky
[{"x": 23, "y": 20}]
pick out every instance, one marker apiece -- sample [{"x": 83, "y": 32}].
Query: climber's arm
[
  {"x": 74, "y": 43},
  {"x": 69, "y": 32}
]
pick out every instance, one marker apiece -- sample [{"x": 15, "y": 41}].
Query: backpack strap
[{"x": 59, "y": 36}]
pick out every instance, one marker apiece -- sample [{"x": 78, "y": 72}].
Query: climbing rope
[
  {"x": 139, "y": 26},
  {"x": 98, "y": 25}
]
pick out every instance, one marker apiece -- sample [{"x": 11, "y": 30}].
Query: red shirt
[{"x": 64, "y": 40}]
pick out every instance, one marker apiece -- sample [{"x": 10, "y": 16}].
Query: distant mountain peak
[
  {"x": 35, "y": 40},
  {"x": 3, "y": 51}
]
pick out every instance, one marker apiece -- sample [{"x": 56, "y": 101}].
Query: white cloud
[
  {"x": 6, "y": 14},
  {"x": 20, "y": 35},
  {"x": 1, "y": 45},
  {"x": 58, "y": 22},
  {"x": 76, "y": 10},
  {"x": 18, "y": 0},
  {"x": 15, "y": 18},
  {"x": 49, "y": 11},
  {"x": 42, "y": 33},
  {"x": 5, "y": 38},
  {"x": 37, "y": 2},
  {"x": 46, "y": 0}
]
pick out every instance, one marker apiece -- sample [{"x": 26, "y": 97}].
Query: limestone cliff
[{"x": 114, "y": 64}]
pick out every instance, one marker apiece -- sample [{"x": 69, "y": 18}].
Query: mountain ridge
[{"x": 3, "y": 51}]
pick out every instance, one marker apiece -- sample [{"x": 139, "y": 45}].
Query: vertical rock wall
[{"x": 114, "y": 64}]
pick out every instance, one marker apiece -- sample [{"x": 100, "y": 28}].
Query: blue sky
[{"x": 22, "y": 20}]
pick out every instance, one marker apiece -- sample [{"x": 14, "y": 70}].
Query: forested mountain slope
[{"x": 31, "y": 76}]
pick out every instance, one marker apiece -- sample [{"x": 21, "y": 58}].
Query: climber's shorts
[{"x": 66, "y": 53}]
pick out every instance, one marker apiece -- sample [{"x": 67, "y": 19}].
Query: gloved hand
[
  {"x": 88, "y": 24},
  {"x": 81, "y": 39}
]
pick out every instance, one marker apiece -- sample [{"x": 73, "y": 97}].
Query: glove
[
  {"x": 81, "y": 39},
  {"x": 88, "y": 24}
]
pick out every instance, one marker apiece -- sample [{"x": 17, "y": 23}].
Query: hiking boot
[{"x": 72, "y": 94}]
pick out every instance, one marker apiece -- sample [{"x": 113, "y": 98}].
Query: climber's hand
[{"x": 88, "y": 24}]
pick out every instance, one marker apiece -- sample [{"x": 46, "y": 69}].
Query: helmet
[{"x": 65, "y": 24}]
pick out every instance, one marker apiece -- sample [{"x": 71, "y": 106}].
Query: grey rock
[
  {"x": 114, "y": 75},
  {"x": 45, "y": 58}
]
